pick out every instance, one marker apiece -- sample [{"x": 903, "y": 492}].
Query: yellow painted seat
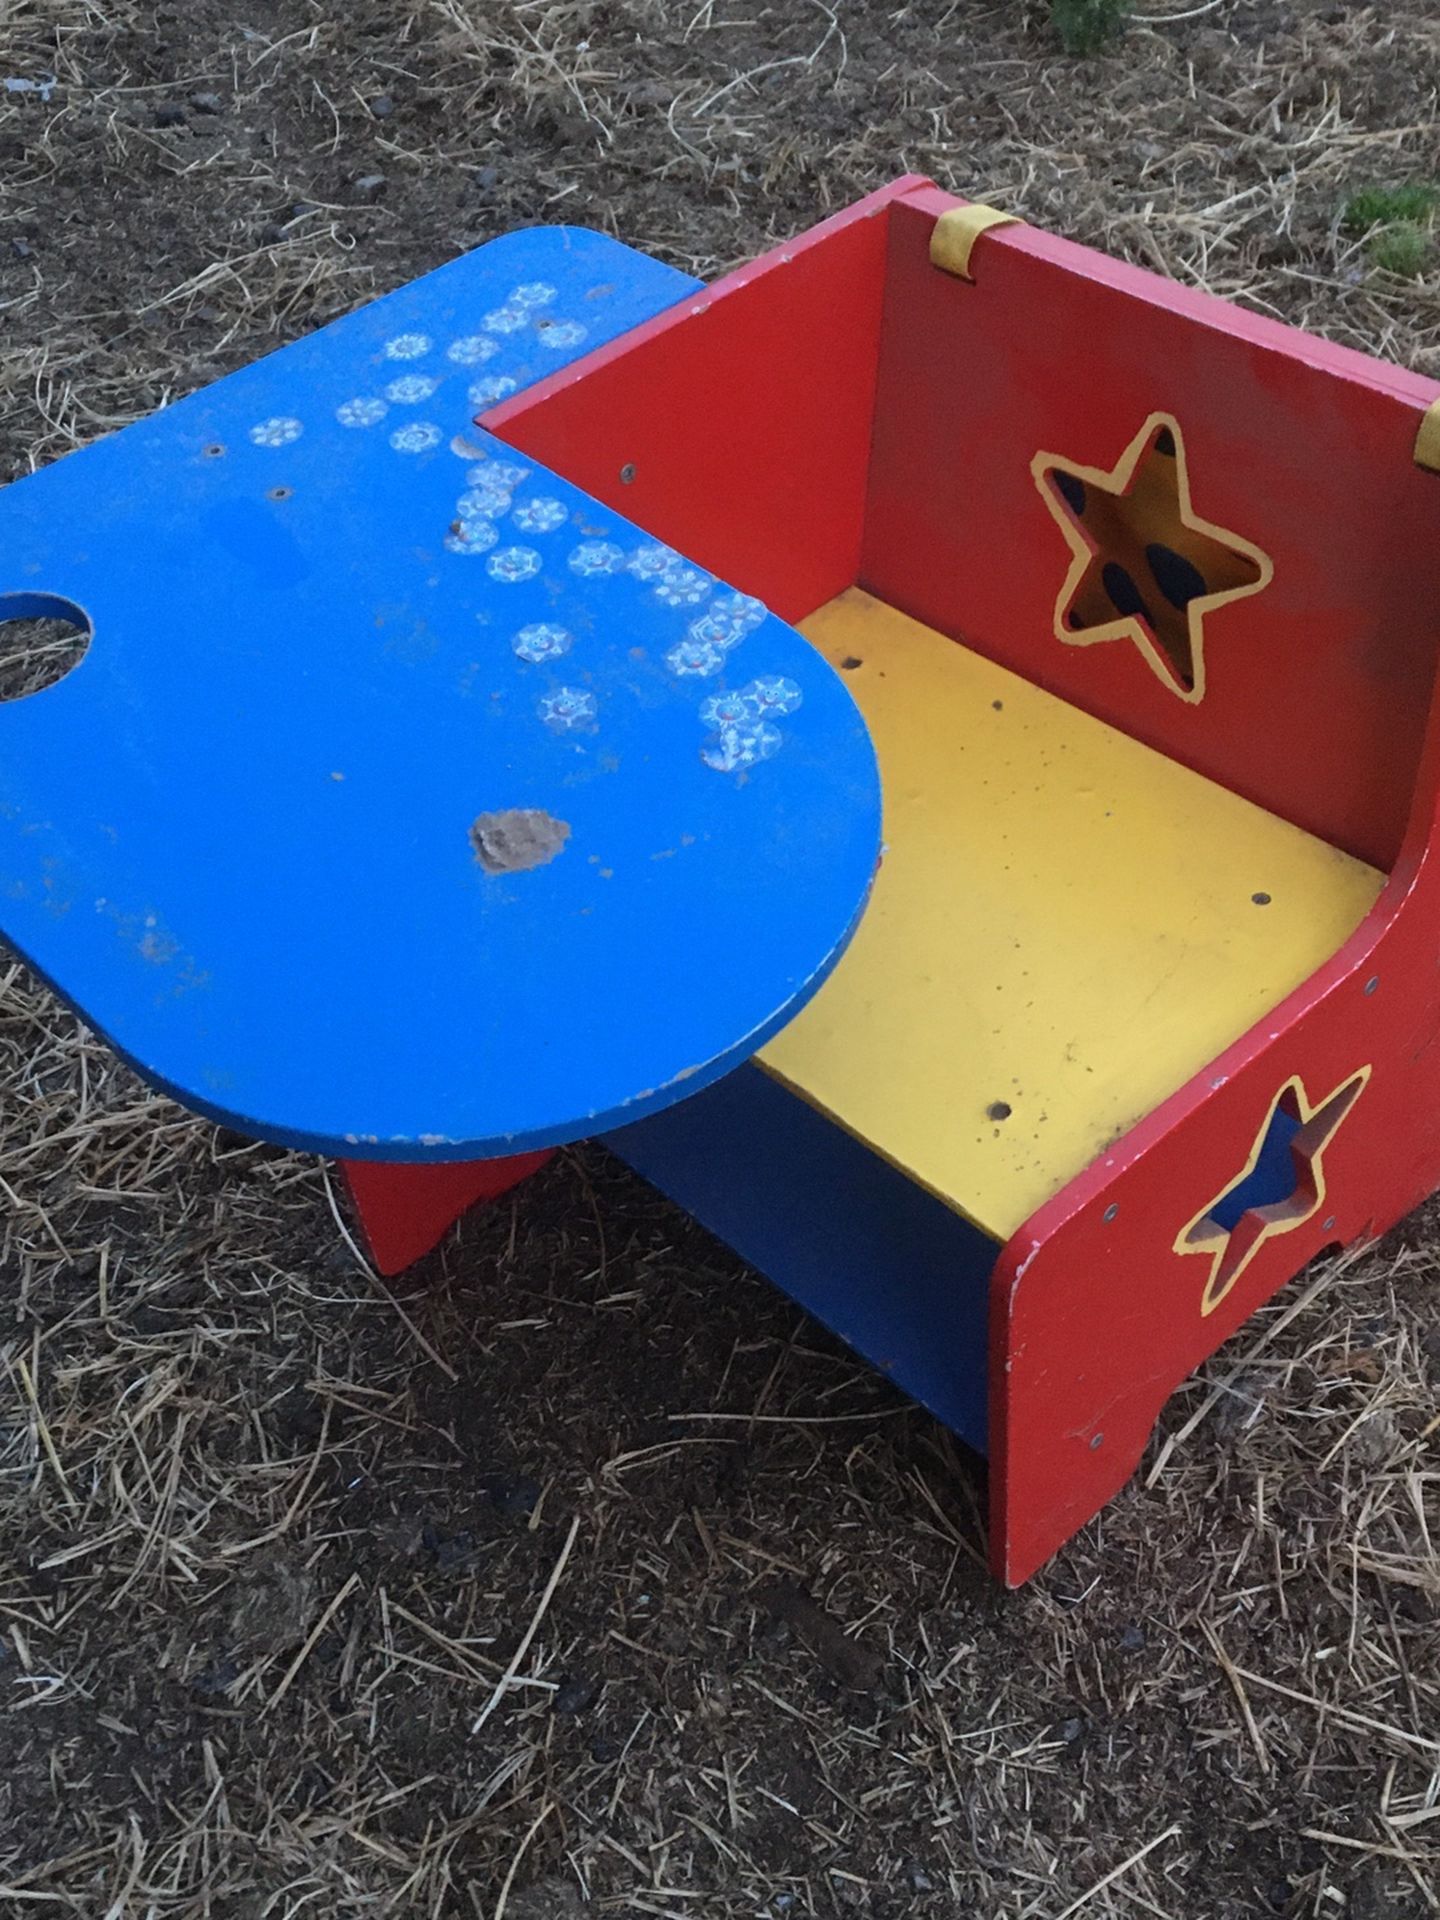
[{"x": 1067, "y": 926}]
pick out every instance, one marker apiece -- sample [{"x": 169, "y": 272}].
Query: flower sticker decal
[
  {"x": 417, "y": 438},
  {"x": 491, "y": 487},
  {"x": 733, "y": 749},
  {"x": 698, "y": 657},
  {"x": 568, "y": 710},
  {"x": 722, "y": 710},
  {"x": 596, "y": 556},
  {"x": 543, "y": 641},
  {"x": 682, "y": 587},
  {"x": 278, "y": 432},
  {"x": 535, "y": 293},
  {"x": 513, "y": 564},
  {"x": 471, "y": 351},
  {"x": 772, "y": 694},
  {"x": 565, "y": 333},
  {"x": 652, "y": 561},
  {"x": 744, "y": 734},
  {"x": 485, "y": 393},
  {"x": 720, "y": 629},
  {"x": 410, "y": 389},
  {"x": 743, "y": 608},
  {"x": 503, "y": 472},
  {"x": 407, "y": 346},
  {"x": 483, "y": 503},
  {"x": 506, "y": 320},
  {"x": 472, "y": 537},
  {"x": 361, "y": 413},
  {"x": 540, "y": 516}
]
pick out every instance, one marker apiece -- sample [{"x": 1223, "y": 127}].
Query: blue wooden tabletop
[{"x": 407, "y": 803}]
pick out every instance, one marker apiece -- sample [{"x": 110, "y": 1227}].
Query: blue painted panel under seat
[
  {"x": 333, "y": 624},
  {"x": 1272, "y": 1179},
  {"x": 897, "y": 1275}
]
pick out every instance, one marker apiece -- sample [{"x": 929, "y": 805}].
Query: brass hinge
[
  {"x": 1427, "y": 440},
  {"x": 953, "y": 237}
]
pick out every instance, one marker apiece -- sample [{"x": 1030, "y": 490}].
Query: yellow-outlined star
[
  {"x": 1144, "y": 566},
  {"x": 1230, "y": 1250}
]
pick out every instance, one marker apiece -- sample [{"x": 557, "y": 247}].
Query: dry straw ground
[{"x": 316, "y": 1603}]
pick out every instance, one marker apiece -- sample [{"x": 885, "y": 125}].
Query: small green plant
[
  {"x": 1085, "y": 25},
  {"x": 1398, "y": 224},
  {"x": 1403, "y": 249},
  {"x": 1385, "y": 206}
]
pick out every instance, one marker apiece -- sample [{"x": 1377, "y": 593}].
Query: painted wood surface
[
  {"x": 1317, "y": 686},
  {"x": 407, "y": 803},
  {"x": 406, "y": 1210},
  {"x": 737, "y": 424},
  {"x": 1067, "y": 926},
  {"x": 867, "y": 1251},
  {"x": 1100, "y": 1308}
]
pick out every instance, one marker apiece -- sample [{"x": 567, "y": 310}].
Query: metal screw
[
  {"x": 1329, "y": 1223},
  {"x": 214, "y": 452},
  {"x": 1112, "y": 1210},
  {"x": 1097, "y": 1441},
  {"x": 627, "y": 472},
  {"x": 1372, "y": 983}
]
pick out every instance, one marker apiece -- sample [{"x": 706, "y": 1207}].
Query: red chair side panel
[{"x": 1112, "y": 1294}]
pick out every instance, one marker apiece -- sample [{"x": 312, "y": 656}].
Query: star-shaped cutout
[
  {"x": 1145, "y": 566},
  {"x": 1282, "y": 1185}
]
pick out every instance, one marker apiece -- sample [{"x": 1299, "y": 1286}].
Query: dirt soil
[{"x": 592, "y": 1574}]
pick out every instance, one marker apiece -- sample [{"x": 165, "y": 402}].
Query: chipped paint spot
[{"x": 517, "y": 839}]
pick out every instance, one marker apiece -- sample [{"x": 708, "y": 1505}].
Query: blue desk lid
[{"x": 407, "y": 803}]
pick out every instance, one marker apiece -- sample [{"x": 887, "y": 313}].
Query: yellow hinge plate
[
  {"x": 952, "y": 240},
  {"x": 1427, "y": 440}
]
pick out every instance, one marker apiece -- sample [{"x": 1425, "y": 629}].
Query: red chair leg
[{"x": 406, "y": 1210}]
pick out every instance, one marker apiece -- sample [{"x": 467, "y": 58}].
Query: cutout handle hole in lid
[{"x": 42, "y": 638}]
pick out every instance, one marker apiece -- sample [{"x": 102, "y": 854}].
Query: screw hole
[
  {"x": 998, "y": 1110},
  {"x": 215, "y": 451},
  {"x": 849, "y": 663},
  {"x": 1096, "y": 1440},
  {"x": 1111, "y": 1211},
  {"x": 280, "y": 493},
  {"x": 42, "y": 638},
  {"x": 1330, "y": 1223},
  {"x": 627, "y": 473},
  {"x": 1261, "y": 899},
  {"x": 1372, "y": 983}
]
